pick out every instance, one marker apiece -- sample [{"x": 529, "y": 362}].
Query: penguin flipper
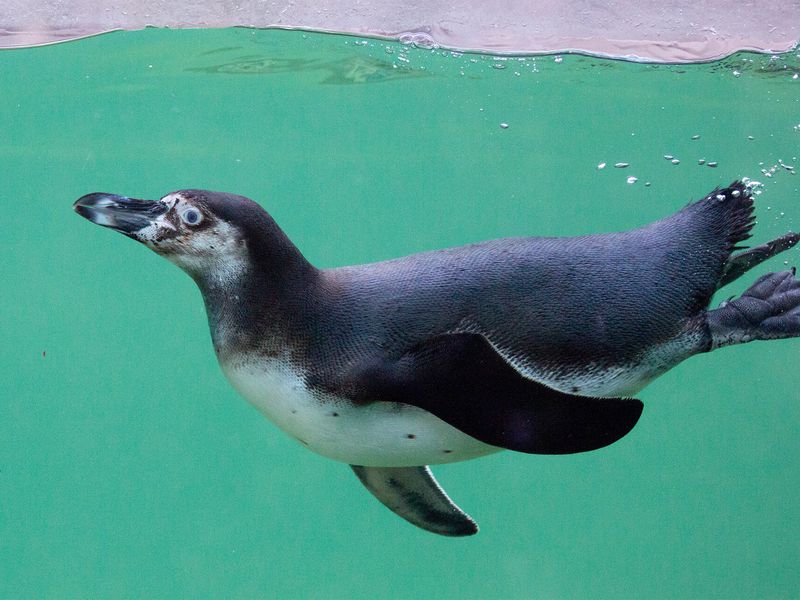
[
  {"x": 413, "y": 494},
  {"x": 464, "y": 381},
  {"x": 740, "y": 263}
]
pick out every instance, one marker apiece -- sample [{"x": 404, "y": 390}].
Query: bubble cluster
[{"x": 418, "y": 39}]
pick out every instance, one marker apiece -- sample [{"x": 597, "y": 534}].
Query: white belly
[{"x": 380, "y": 434}]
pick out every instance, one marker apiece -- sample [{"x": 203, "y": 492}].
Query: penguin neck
[{"x": 259, "y": 299}]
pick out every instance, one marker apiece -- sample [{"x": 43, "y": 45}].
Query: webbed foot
[{"x": 768, "y": 310}]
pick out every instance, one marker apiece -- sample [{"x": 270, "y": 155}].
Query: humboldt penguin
[{"x": 532, "y": 344}]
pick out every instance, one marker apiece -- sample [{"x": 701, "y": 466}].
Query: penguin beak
[{"x": 126, "y": 215}]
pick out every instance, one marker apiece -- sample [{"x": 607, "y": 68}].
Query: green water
[{"x": 129, "y": 467}]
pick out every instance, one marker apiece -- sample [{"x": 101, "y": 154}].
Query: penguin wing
[
  {"x": 464, "y": 381},
  {"x": 414, "y": 494}
]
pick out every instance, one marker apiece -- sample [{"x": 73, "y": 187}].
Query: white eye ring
[{"x": 192, "y": 216}]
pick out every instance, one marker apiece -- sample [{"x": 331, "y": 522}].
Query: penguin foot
[
  {"x": 768, "y": 310},
  {"x": 740, "y": 263}
]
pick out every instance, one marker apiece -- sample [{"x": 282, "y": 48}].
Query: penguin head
[{"x": 209, "y": 235}]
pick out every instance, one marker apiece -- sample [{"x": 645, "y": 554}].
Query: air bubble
[
  {"x": 418, "y": 39},
  {"x": 622, "y": 165},
  {"x": 632, "y": 179}
]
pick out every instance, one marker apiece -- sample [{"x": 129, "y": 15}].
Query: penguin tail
[
  {"x": 701, "y": 239},
  {"x": 726, "y": 216},
  {"x": 703, "y": 236},
  {"x": 732, "y": 212}
]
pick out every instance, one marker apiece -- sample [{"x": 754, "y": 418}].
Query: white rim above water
[{"x": 667, "y": 31}]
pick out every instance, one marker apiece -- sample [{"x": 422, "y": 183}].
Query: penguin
[{"x": 535, "y": 344}]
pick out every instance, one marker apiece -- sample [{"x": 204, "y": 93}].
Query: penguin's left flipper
[
  {"x": 464, "y": 381},
  {"x": 740, "y": 263}
]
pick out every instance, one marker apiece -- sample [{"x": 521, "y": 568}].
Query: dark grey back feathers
[{"x": 551, "y": 301}]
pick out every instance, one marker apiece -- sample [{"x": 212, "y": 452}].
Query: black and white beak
[{"x": 126, "y": 215}]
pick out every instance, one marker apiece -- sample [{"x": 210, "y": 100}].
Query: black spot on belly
[
  {"x": 447, "y": 451},
  {"x": 334, "y": 414},
  {"x": 575, "y": 389},
  {"x": 411, "y": 436},
  {"x": 294, "y": 411}
]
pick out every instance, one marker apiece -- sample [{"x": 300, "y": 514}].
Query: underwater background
[{"x": 130, "y": 468}]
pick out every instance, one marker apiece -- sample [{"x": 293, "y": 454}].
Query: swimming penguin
[{"x": 529, "y": 344}]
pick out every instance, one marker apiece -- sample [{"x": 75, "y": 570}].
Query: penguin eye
[{"x": 191, "y": 216}]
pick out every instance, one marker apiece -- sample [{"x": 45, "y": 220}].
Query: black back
[{"x": 550, "y": 304}]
